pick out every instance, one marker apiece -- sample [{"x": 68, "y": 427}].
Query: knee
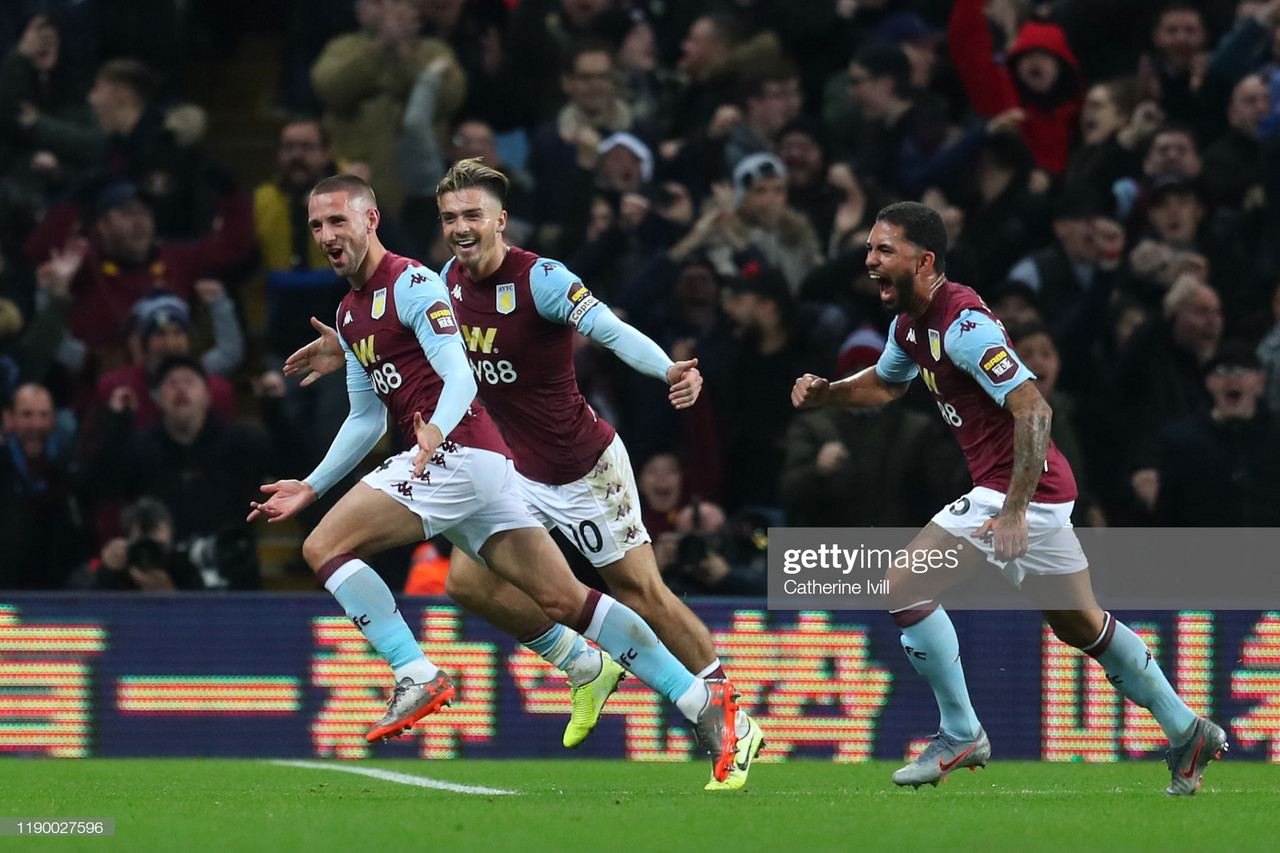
[
  {"x": 1074, "y": 634},
  {"x": 316, "y": 551},
  {"x": 560, "y": 607},
  {"x": 462, "y": 587}
]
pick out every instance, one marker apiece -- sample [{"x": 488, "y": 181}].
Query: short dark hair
[
  {"x": 133, "y": 74},
  {"x": 146, "y": 514},
  {"x": 753, "y": 80},
  {"x": 352, "y": 184},
  {"x": 303, "y": 118},
  {"x": 922, "y": 226},
  {"x": 583, "y": 46},
  {"x": 472, "y": 173},
  {"x": 886, "y": 59}
]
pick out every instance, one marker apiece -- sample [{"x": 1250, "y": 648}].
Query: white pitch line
[{"x": 402, "y": 778}]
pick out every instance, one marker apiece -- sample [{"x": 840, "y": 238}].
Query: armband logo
[
  {"x": 440, "y": 316},
  {"x": 998, "y": 364}
]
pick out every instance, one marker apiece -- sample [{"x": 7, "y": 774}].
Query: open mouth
[
  {"x": 336, "y": 254},
  {"x": 884, "y": 283},
  {"x": 464, "y": 243}
]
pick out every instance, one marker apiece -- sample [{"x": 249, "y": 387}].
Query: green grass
[{"x": 614, "y": 806}]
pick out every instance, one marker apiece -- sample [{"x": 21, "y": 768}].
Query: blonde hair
[{"x": 472, "y": 173}]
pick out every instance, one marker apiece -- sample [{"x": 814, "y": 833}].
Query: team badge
[
  {"x": 379, "y": 303},
  {"x": 506, "y": 298},
  {"x": 935, "y": 344}
]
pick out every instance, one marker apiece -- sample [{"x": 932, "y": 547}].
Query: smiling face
[
  {"x": 473, "y": 221},
  {"x": 341, "y": 223},
  {"x": 31, "y": 419},
  {"x": 893, "y": 263}
]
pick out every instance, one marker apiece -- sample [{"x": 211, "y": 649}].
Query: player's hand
[
  {"x": 287, "y": 498},
  {"x": 810, "y": 392},
  {"x": 1008, "y": 534},
  {"x": 429, "y": 440},
  {"x": 321, "y": 356},
  {"x": 686, "y": 383}
]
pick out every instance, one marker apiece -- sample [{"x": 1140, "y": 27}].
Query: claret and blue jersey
[{"x": 968, "y": 364}]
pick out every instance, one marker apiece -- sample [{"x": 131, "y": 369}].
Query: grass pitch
[{"x": 613, "y": 806}]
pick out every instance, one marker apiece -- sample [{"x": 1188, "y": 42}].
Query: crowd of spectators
[{"x": 1109, "y": 175}]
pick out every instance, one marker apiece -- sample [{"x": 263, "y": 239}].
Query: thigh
[
  {"x": 912, "y": 580},
  {"x": 599, "y": 513},
  {"x": 497, "y": 506},
  {"x": 635, "y": 573},
  {"x": 528, "y": 558},
  {"x": 363, "y": 522}
]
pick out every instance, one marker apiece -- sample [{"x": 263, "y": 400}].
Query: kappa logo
[
  {"x": 967, "y": 326},
  {"x": 911, "y": 335},
  {"x": 417, "y": 278},
  {"x": 998, "y": 364},
  {"x": 457, "y": 292},
  {"x": 346, "y": 319},
  {"x": 547, "y": 268},
  {"x": 440, "y": 316}
]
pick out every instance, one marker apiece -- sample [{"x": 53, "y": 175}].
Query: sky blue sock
[
  {"x": 568, "y": 652},
  {"x": 934, "y": 651},
  {"x": 1135, "y": 673},
  {"x": 632, "y": 643},
  {"x": 372, "y": 608}
]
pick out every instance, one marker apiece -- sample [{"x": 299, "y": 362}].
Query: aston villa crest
[
  {"x": 379, "y": 303},
  {"x": 935, "y": 344},
  {"x": 506, "y": 298}
]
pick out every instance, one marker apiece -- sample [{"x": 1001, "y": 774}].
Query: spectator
[
  {"x": 1231, "y": 162},
  {"x": 1269, "y": 354},
  {"x": 161, "y": 329},
  {"x": 1219, "y": 468},
  {"x": 771, "y": 98},
  {"x": 1063, "y": 271},
  {"x": 204, "y": 469},
  {"x": 122, "y": 262},
  {"x": 707, "y": 67},
  {"x": 661, "y": 485},
  {"x": 1175, "y": 213},
  {"x": 1040, "y": 76},
  {"x": 364, "y": 80},
  {"x": 1175, "y": 69},
  {"x": 711, "y": 555},
  {"x": 889, "y": 466},
  {"x": 41, "y": 523},
  {"x": 1113, "y": 123},
  {"x": 144, "y": 558}
]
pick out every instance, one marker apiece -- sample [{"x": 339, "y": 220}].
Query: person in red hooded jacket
[{"x": 1040, "y": 75}]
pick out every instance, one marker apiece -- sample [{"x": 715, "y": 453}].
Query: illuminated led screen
[{"x": 289, "y": 676}]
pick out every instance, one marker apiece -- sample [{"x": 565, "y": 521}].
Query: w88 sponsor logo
[{"x": 494, "y": 373}]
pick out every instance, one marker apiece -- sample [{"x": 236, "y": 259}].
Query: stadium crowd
[{"x": 1109, "y": 175}]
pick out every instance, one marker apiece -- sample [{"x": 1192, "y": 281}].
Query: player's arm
[
  {"x": 365, "y": 424},
  {"x": 976, "y": 344},
  {"x": 883, "y": 382},
  {"x": 561, "y": 298},
  {"x": 424, "y": 307}
]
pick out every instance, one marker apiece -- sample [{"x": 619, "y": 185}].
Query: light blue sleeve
[
  {"x": 561, "y": 298},
  {"x": 976, "y": 345},
  {"x": 359, "y": 433},
  {"x": 894, "y": 365},
  {"x": 422, "y": 304}
]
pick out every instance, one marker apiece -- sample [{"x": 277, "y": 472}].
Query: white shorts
[
  {"x": 468, "y": 494},
  {"x": 1052, "y": 546},
  {"x": 600, "y": 512}
]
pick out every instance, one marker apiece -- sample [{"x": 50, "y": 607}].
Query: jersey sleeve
[
  {"x": 422, "y": 304},
  {"x": 561, "y": 297},
  {"x": 894, "y": 365},
  {"x": 976, "y": 344}
]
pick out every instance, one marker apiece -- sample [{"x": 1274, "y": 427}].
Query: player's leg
[
  {"x": 636, "y": 582},
  {"x": 366, "y": 521},
  {"x": 1068, "y": 605},
  {"x": 930, "y": 642},
  {"x": 593, "y": 676}
]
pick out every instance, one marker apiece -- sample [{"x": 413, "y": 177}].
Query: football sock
[
  {"x": 715, "y": 669},
  {"x": 372, "y": 608},
  {"x": 1134, "y": 672},
  {"x": 934, "y": 651},
  {"x": 632, "y": 643},
  {"x": 567, "y": 651}
]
